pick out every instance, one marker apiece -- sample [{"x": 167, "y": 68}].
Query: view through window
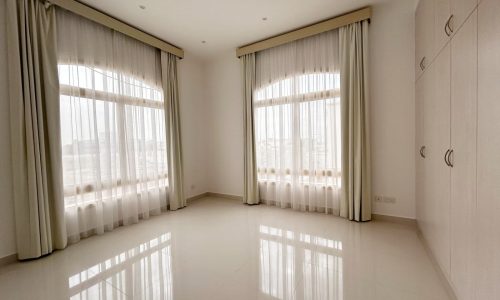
[
  {"x": 298, "y": 130},
  {"x": 112, "y": 133}
]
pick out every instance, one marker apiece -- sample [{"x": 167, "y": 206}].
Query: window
[
  {"x": 113, "y": 135},
  {"x": 297, "y": 122}
]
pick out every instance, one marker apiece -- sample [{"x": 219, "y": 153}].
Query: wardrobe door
[
  {"x": 424, "y": 26},
  {"x": 463, "y": 157},
  {"x": 420, "y": 148},
  {"x": 488, "y": 152},
  {"x": 437, "y": 183},
  {"x": 461, "y": 9},
  {"x": 419, "y": 36},
  {"x": 442, "y": 13},
  {"x": 425, "y": 87},
  {"x": 424, "y": 95}
]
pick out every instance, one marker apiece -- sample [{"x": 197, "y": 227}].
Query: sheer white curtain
[
  {"x": 112, "y": 127},
  {"x": 297, "y": 124}
]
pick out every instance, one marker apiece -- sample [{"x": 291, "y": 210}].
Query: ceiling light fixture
[
  {"x": 203, "y": 42},
  {"x": 264, "y": 19},
  {"x": 142, "y": 7}
]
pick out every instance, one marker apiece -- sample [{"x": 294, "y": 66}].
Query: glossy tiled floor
[{"x": 221, "y": 249}]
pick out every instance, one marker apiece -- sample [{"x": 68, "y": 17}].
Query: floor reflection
[
  {"x": 299, "y": 266},
  {"x": 144, "y": 272},
  {"x": 222, "y": 250}
]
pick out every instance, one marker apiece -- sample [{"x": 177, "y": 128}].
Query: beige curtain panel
[
  {"x": 35, "y": 128},
  {"x": 356, "y": 170},
  {"x": 251, "y": 187},
  {"x": 173, "y": 130}
]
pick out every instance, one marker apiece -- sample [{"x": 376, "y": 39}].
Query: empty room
[{"x": 236, "y": 149}]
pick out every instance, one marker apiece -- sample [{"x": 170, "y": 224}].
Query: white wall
[
  {"x": 194, "y": 129},
  {"x": 392, "y": 112},
  {"x": 223, "y": 89},
  {"x": 7, "y": 241},
  {"x": 392, "y": 106}
]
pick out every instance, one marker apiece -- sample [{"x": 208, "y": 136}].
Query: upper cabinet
[
  {"x": 460, "y": 10},
  {"x": 424, "y": 33},
  {"x": 442, "y": 21},
  {"x": 436, "y": 21}
]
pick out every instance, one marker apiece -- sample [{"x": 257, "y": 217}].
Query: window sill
[
  {"x": 302, "y": 183},
  {"x": 93, "y": 203}
]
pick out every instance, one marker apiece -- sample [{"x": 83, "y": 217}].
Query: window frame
[
  {"x": 326, "y": 94},
  {"x": 105, "y": 96}
]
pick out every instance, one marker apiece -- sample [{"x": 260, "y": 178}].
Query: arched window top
[
  {"x": 301, "y": 87},
  {"x": 83, "y": 80}
]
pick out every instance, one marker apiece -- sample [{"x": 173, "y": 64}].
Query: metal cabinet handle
[
  {"x": 449, "y": 160},
  {"x": 447, "y": 27},
  {"x": 422, "y": 66},
  {"x": 446, "y": 157},
  {"x": 422, "y": 153}
]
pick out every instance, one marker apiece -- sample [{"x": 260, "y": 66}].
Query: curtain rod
[
  {"x": 115, "y": 24},
  {"x": 307, "y": 31}
]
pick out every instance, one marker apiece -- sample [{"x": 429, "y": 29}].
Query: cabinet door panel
[
  {"x": 488, "y": 152},
  {"x": 424, "y": 34},
  {"x": 425, "y": 205},
  {"x": 419, "y": 143},
  {"x": 437, "y": 133},
  {"x": 419, "y": 36},
  {"x": 463, "y": 143},
  {"x": 442, "y": 12},
  {"x": 429, "y": 48},
  {"x": 461, "y": 9}
]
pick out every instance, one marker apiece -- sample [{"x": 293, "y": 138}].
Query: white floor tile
[{"x": 222, "y": 249}]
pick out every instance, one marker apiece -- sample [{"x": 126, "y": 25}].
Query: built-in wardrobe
[{"x": 457, "y": 105}]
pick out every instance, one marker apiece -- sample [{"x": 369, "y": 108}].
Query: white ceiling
[{"x": 223, "y": 24}]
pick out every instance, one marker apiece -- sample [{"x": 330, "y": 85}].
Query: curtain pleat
[
  {"x": 356, "y": 168},
  {"x": 173, "y": 130},
  {"x": 35, "y": 128},
  {"x": 251, "y": 188}
]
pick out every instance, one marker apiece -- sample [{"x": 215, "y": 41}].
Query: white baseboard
[
  {"x": 193, "y": 198},
  {"x": 394, "y": 219},
  {"x": 216, "y": 195},
  {"x": 6, "y": 260},
  {"x": 225, "y": 196},
  {"x": 379, "y": 217}
]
